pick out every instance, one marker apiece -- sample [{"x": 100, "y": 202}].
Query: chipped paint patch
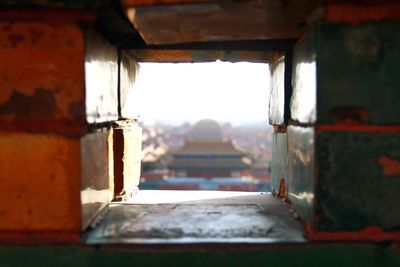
[
  {"x": 42, "y": 75},
  {"x": 42, "y": 103}
]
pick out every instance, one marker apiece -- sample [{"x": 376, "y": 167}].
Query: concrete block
[
  {"x": 42, "y": 77},
  {"x": 127, "y": 159},
  {"x": 301, "y": 174},
  {"x": 279, "y": 161},
  {"x": 101, "y": 79},
  {"x": 128, "y": 69},
  {"x": 347, "y": 73},
  {"x": 40, "y": 180},
  {"x": 344, "y": 184},
  {"x": 303, "y": 101},
  {"x": 358, "y": 181},
  {"x": 132, "y": 157},
  {"x": 277, "y": 97},
  {"x": 97, "y": 180}
]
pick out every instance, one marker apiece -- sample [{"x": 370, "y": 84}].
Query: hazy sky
[{"x": 227, "y": 92}]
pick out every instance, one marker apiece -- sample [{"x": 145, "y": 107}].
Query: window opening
[{"x": 205, "y": 126}]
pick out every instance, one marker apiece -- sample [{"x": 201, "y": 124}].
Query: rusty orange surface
[
  {"x": 40, "y": 183},
  {"x": 41, "y": 75}
]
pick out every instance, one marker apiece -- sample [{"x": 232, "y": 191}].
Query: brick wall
[
  {"x": 59, "y": 89},
  {"x": 343, "y": 136}
]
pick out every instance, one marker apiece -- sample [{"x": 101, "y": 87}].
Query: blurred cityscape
[{"x": 206, "y": 155}]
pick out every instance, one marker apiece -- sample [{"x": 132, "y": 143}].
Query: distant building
[{"x": 206, "y": 154}]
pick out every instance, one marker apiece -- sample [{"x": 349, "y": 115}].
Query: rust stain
[
  {"x": 390, "y": 166},
  {"x": 42, "y": 103},
  {"x": 282, "y": 188},
  {"x": 280, "y": 128},
  {"x": 357, "y": 115}
]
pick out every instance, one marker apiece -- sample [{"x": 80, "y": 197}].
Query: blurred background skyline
[{"x": 205, "y": 126}]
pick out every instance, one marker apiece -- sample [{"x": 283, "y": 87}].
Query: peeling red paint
[
  {"x": 370, "y": 233},
  {"x": 42, "y": 103},
  {"x": 390, "y": 166},
  {"x": 42, "y": 89},
  {"x": 357, "y": 14}
]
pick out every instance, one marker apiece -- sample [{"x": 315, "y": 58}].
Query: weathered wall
[
  {"x": 41, "y": 87},
  {"x": 279, "y": 163},
  {"x": 278, "y": 117},
  {"x": 59, "y": 80},
  {"x": 344, "y": 138},
  {"x": 97, "y": 177},
  {"x": 127, "y": 154},
  {"x": 42, "y": 117},
  {"x": 101, "y": 79},
  {"x": 39, "y": 184}
]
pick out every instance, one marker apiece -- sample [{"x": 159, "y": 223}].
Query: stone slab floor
[{"x": 157, "y": 217}]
